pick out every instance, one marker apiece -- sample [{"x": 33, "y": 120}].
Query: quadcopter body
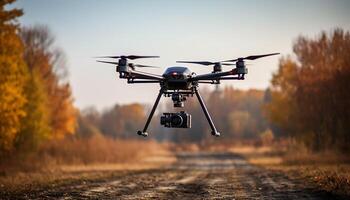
[
  {"x": 179, "y": 83},
  {"x": 176, "y": 78}
]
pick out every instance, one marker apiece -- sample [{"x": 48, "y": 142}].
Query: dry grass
[
  {"x": 213, "y": 145},
  {"x": 75, "y": 159},
  {"x": 71, "y": 159},
  {"x": 98, "y": 150},
  {"x": 328, "y": 170}
]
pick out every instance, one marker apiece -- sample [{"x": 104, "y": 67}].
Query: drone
[{"x": 179, "y": 83}]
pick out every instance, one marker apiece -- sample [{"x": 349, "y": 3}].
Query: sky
[{"x": 210, "y": 30}]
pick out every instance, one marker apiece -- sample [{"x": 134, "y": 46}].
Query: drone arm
[
  {"x": 143, "y": 81},
  {"x": 144, "y": 75},
  {"x": 214, "y": 81},
  {"x": 232, "y": 78},
  {"x": 214, "y": 76},
  {"x": 207, "y": 81}
]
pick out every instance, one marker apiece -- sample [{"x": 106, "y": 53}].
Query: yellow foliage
[
  {"x": 41, "y": 55},
  {"x": 12, "y": 79},
  {"x": 35, "y": 125}
]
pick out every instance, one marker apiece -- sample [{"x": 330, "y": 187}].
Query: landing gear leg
[
  {"x": 213, "y": 129},
  {"x": 144, "y": 132}
]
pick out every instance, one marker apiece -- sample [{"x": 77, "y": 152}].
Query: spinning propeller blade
[
  {"x": 253, "y": 57},
  {"x": 131, "y": 57},
  {"x": 198, "y": 62},
  {"x": 228, "y": 64},
  {"x": 132, "y": 65},
  {"x": 206, "y": 63}
]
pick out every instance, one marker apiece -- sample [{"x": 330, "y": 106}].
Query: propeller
[
  {"x": 206, "y": 63},
  {"x": 253, "y": 57},
  {"x": 130, "y": 64},
  {"x": 130, "y": 57}
]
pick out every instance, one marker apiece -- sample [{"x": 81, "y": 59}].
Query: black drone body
[
  {"x": 177, "y": 78},
  {"x": 179, "y": 83}
]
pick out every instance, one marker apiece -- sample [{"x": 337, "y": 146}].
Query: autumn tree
[
  {"x": 236, "y": 113},
  {"x": 88, "y": 121},
  {"x": 35, "y": 125},
  {"x": 13, "y": 76},
  {"x": 241, "y": 110},
  {"x": 281, "y": 105},
  {"x": 133, "y": 117},
  {"x": 310, "y": 95},
  {"x": 41, "y": 55},
  {"x": 111, "y": 124},
  {"x": 122, "y": 121}
]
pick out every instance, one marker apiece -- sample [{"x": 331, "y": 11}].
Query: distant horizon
[{"x": 181, "y": 30}]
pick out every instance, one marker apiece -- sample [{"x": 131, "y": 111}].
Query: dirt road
[{"x": 194, "y": 176}]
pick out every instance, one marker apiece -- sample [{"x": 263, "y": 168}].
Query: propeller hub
[
  {"x": 240, "y": 63},
  {"x": 217, "y": 67},
  {"x": 122, "y": 62}
]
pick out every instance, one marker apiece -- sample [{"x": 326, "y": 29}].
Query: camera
[{"x": 176, "y": 120}]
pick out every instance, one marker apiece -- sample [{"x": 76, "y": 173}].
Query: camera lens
[{"x": 176, "y": 120}]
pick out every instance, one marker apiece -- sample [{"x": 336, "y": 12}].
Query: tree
[
  {"x": 122, "y": 121},
  {"x": 111, "y": 124},
  {"x": 239, "y": 123},
  {"x": 281, "y": 107},
  {"x": 236, "y": 114},
  {"x": 41, "y": 55},
  {"x": 12, "y": 79},
  {"x": 35, "y": 125},
  {"x": 88, "y": 122},
  {"x": 132, "y": 117},
  {"x": 310, "y": 97}
]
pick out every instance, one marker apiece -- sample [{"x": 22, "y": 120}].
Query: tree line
[
  {"x": 35, "y": 100},
  {"x": 308, "y": 100},
  {"x": 236, "y": 113},
  {"x": 309, "y": 96}
]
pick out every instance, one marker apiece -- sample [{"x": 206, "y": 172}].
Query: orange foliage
[
  {"x": 41, "y": 55},
  {"x": 13, "y": 76},
  {"x": 310, "y": 96}
]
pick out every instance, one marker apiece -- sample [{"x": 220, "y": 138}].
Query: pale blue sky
[{"x": 175, "y": 30}]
